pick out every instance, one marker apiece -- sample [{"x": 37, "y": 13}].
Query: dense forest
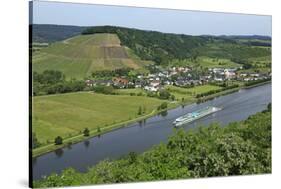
[{"x": 241, "y": 148}]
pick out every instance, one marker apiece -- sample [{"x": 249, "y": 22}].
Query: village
[{"x": 179, "y": 76}]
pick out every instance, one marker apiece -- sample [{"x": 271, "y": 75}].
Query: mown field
[
  {"x": 67, "y": 115},
  {"x": 130, "y": 91},
  {"x": 205, "y": 62},
  {"x": 189, "y": 94},
  {"x": 79, "y": 56}
]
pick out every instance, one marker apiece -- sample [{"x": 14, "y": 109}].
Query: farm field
[
  {"x": 79, "y": 56},
  {"x": 189, "y": 94},
  {"x": 69, "y": 114},
  {"x": 129, "y": 91},
  {"x": 206, "y": 62}
]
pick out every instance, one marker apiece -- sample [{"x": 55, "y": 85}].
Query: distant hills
[
  {"x": 47, "y": 33},
  {"x": 52, "y": 33},
  {"x": 111, "y": 47}
]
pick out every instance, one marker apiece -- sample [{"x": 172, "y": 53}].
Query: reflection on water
[
  {"x": 164, "y": 113},
  {"x": 140, "y": 136},
  {"x": 59, "y": 152},
  {"x": 87, "y": 143},
  {"x": 69, "y": 146}
]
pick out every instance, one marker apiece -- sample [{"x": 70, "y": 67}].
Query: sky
[{"x": 163, "y": 20}]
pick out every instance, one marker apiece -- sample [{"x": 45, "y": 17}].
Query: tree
[
  {"x": 164, "y": 105},
  {"x": 140, "y": 110},
  {"x": 86, "y": 132},
  {"x": 164, "y": 94},
  {"x": 35, "y": 142},
  {"x": 144, "y": 109},
  {"x": 269, "y": 107},
  {"x": 58, "y": 140},
  {"x": 132, "y": 157}
]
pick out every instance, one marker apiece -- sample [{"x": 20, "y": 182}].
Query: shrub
[
  {"x": 58, "y": 140},
  {"x": 86, "y": 132}
]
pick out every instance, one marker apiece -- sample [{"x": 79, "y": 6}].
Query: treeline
[
  {"x": 109, "y": 90},
  {"x": 51, "y": 33},
  {"x": 258, "y": 43},
  {"x": 216, "y": 91},
  {"x": 255, "y": 82},
  {"x": 241, "y": 148},
  {"x": 111, "y": 73},
  {"x": 162, "y": 94},
  {"x": 53, "y": 82}
]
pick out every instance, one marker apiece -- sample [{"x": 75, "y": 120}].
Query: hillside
[
  {"x": 162, "y": 48},
  {"x": 79, "y": 56}
]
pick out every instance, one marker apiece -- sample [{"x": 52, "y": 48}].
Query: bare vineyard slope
[{"x": 79, "y": 56}]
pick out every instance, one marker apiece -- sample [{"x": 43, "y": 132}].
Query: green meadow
[
  {"x": 206, "y": 62},
  {"x": 67, "y": 115},
  {"x": 189, "y": 94}
]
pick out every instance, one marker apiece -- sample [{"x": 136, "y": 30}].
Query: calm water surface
[{"x": 139, "y": 137}]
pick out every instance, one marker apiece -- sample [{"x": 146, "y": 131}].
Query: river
[{"x": 141, "y": 136}]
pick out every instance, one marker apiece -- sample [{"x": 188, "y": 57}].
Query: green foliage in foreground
[{"x": 239, "y": 149}]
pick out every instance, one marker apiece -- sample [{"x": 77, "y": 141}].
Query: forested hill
[
  {"x": 162, "y": 48},
  {"x": 47, "y": 33},
  {"x": 152, "y": 45}
]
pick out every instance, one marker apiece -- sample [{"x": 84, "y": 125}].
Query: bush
[
  {"x": 86, "y": 132},
  {"x": 35, "y": 141},
  {"x": 140, "y": 111},
  {"x": 164, "y": 94},
  {"x": 164, "y": 105},
  {"x": 58, "y": 140},
  {"x": 104, "y": 89}
]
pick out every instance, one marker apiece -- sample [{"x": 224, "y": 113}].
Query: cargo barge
[{"x": 195, "y": 115}]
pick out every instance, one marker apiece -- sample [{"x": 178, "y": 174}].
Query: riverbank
[
  {"x": 229, "y": 91},
  {"x": 79, "y": 138}
]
